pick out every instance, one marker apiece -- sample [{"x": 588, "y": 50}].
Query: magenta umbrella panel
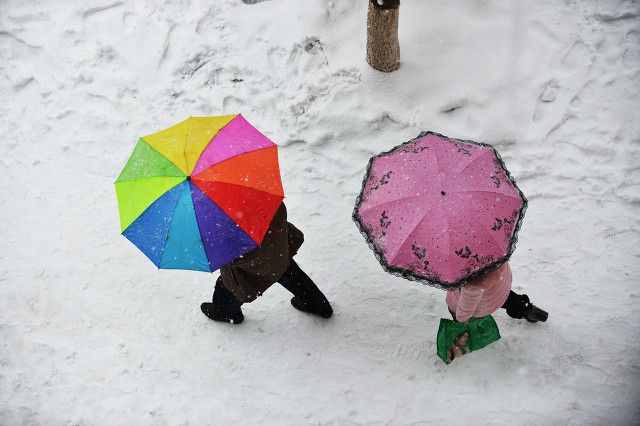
[{"x": 440, "y": 211}]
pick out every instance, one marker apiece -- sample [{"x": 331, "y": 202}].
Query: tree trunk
[{"x": 383, "y": 48}]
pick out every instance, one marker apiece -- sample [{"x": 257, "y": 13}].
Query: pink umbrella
[{"x": 440, "y": 210}]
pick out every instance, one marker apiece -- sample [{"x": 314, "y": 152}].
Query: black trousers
[{"x": 294, "y": 279}]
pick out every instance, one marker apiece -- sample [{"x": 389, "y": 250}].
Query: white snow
[{"x": 92, "y": 334}]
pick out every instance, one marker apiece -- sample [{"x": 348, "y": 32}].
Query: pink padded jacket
[{"x": 481, "y": 297}]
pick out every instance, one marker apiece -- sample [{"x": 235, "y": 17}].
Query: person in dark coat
[{"x": 246, "y": 278}]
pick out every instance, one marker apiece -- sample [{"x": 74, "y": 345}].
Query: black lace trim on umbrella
[{"x": 411, "y": 275}]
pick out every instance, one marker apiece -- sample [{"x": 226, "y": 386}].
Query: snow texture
[{"x": 92, "y": 334}]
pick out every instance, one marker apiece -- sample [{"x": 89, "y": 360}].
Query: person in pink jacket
[{"x": 484, "y": 295}]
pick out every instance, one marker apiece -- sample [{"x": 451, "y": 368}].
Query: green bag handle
[{"x": 482, "y": 331}]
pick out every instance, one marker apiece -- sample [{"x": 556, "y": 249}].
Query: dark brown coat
[{"x": 249, "y": 276}]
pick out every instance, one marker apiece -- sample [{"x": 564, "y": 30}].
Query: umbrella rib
[
  {"x": 384, "y": 203},
  {"x": 230, "y": 158},
  {"x": 493, "y": 240},
  {"x": 183, "y": 178},
  {"x": 166, "y": 237},
  {"x": 184, "y": 148},
  {"x": 136, "y": 179},
  {"x": 197, "y": 160},
  {"x": 195, "y": 214},
  {"x": 479, "y": 191},
  {"x": 446, "y": 218},
  {"x": 495, "y": 243},
  {"x": 152, "y": 148},
  {"x": 435, "y": 155},
  {"x": 408, "y": 237},
  {"x": 473, "y": 160},
  {"x": 242, "y": 186}
]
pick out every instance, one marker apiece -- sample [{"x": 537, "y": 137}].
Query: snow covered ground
[{"x": 92, "y": 334}]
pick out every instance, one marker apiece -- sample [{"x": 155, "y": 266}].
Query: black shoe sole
[
  {"x": 236, "y": 318},
  {"x": 325, "y": 313},
  {"x": 536, "y": 314}
]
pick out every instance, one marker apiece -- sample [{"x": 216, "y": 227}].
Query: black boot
[
  {"x": 224, "y": 307},
  {"x": 518, "y": 306},
  {"x": 307, "y": 296},
  {"x": 534, "y": 314}
]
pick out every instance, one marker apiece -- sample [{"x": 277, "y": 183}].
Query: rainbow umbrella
[
  {"x": 201, "y": 193},
  {"x": 440, "y": 210}
]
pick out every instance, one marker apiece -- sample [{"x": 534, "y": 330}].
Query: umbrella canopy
[
  {"x": 439, "y": 210},
  {"x": 201, "y": 193}
]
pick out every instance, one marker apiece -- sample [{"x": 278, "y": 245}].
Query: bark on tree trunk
[{"x": 383, "y": 48}]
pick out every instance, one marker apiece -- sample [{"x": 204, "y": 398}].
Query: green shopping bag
[{"x": 482, "y": 331}]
